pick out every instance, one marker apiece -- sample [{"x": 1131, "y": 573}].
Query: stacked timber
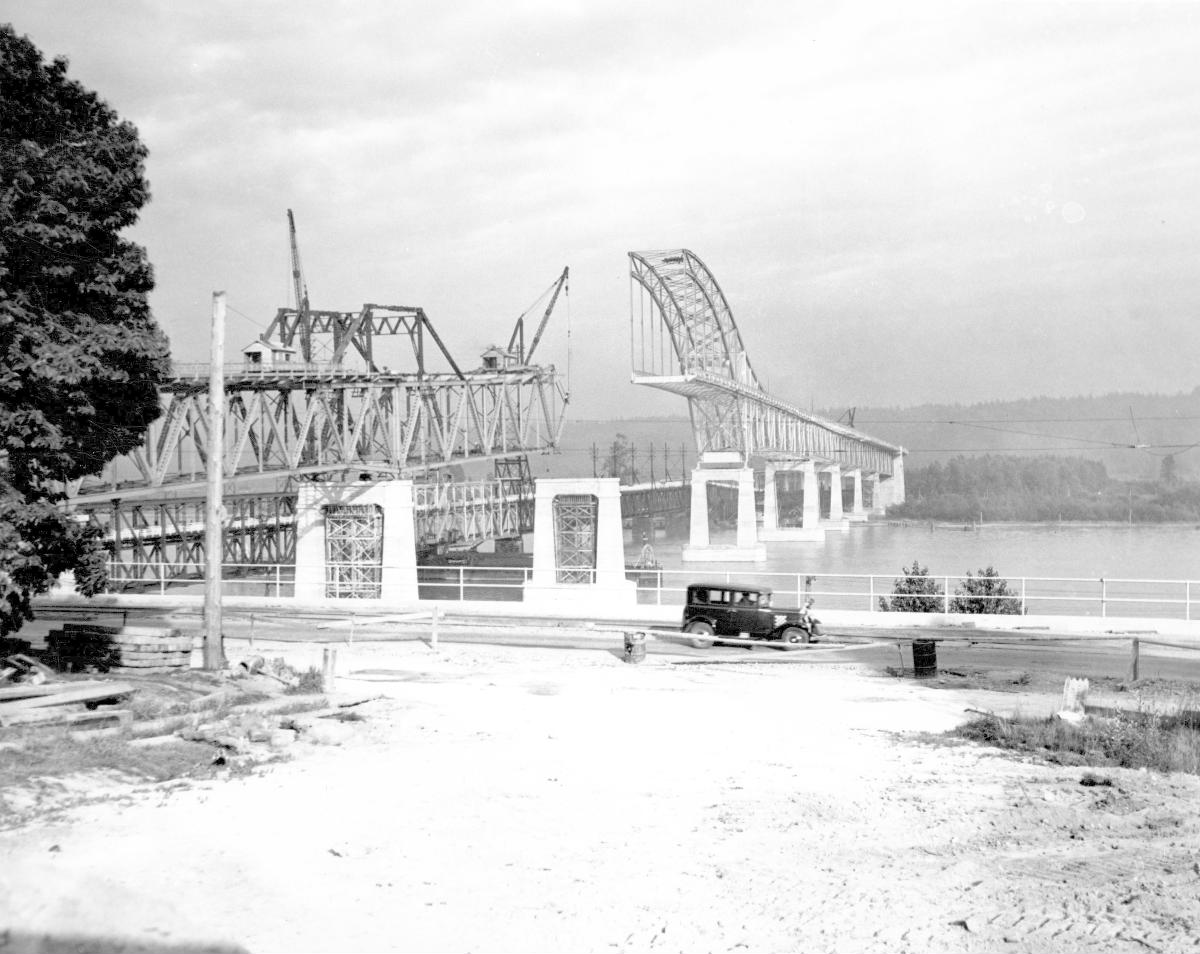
[
  {"x": 58, "y": 703},
  {"x": 79, "y": 646}
]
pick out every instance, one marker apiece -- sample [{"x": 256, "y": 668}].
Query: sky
[{"x": 904, "y": 203}]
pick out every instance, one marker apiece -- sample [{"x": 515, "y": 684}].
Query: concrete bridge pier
[
  {"x": 578, "y": 545},
  {"x": 858, "y": 513},
  {"x": 356, "y": 541},
  {"x": 810, "y": 529},
  {"x": 724, "y": 468},
  {"x": 837, "y": 520},
  {"x": 889, "y": 489}
]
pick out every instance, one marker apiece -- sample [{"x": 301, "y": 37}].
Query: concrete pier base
[
  {"x": 561, "y": 578},
  {"x": 397, "y": 563},
  {"x": 748, "y": 549},
  {"x": 810, "y": 530}
]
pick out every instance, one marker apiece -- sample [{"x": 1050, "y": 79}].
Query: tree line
[{"x": 1003, "y": 488}]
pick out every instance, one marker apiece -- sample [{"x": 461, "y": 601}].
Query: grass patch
[
  {"x": 1165, "y": 743},
  {"x": 47, "y": 756}
]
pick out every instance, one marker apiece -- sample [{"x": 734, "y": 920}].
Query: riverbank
[{"x": 504, "y": 799}]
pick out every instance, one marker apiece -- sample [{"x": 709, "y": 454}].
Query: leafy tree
[
  {"x": 917, "y": 592},
  {"x": 985, "y": 593},
  {"x": 80, "y": 354},
  {"x": 619, "y": 461}
]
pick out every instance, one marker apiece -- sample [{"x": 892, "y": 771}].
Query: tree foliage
[
  {"x": 1042, "y": 488},
  {"x": 82, "y": 355},
  {"x": 915, "y": 592},
  {"x": 986, "y": 592}
]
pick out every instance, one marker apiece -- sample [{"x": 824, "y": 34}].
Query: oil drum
[
  {"x": 635, "y": 647},
  {"x": 924, "y": 653}
]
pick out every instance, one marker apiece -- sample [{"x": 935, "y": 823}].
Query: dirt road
[{"x": 503, "y": 799}]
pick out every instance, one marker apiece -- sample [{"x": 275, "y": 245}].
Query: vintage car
[{"x": 716, "y": 610}]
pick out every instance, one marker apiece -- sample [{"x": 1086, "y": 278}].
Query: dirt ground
[{"x": 501, "y": 799}]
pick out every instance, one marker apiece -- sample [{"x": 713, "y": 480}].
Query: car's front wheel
[
  {"x": 701, "y": 633},
  {"x": 793, "y": 636}
]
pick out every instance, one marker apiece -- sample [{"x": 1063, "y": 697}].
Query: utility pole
[{"x": 214, "y": 652}]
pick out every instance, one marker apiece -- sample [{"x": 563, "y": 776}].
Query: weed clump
[
  {"x": 309, "y": 681},
  {"x": 1165, "y": 743}
]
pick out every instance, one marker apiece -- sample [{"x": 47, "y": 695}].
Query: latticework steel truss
[
  {"x": 310, "y": 421},
  {"x": 153, "y": 541},
  {"x": 685, "y": 340},
  {"x": 163, "y": 540},
  {"x": 353, "y": 551},
  {"x": 575, "y": 522}
]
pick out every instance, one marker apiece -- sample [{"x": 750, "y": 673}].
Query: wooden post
[
  {"x": 1135, "y": 659},
  {"x": 214, "y": 651},
  {"x": 329, "y": 668}
]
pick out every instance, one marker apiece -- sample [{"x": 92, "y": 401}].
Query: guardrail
[{"x": 1044, "y": 596}]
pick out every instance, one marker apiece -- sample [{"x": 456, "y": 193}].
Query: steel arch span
[{"x": 684, "y": 339}]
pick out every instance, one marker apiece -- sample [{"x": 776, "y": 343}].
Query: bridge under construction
[{"x": 374, "y": 394}]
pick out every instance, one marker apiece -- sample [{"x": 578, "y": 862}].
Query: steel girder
[
  {"x": 291, "y": 424},
  {"x": 164, "y": 539},
  {"x": 153, "y": 540},
  {"x": 708, "y": 365}
]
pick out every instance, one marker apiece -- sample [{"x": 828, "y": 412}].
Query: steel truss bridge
[
  {"x": 685, "y": 341},
  {"x": 153, "y": 541},
  {"x": 309, "y": 418},
  {"x": 339, "y": 397}
]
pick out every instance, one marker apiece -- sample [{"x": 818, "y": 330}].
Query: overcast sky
[{"x": 904, "y": 203}]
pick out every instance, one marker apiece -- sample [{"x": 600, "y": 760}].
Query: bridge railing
[
  {"x": 199, "y": 371},
  {"x": 1034, "y": 596}
]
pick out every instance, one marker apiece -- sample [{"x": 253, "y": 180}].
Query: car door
[{"x": 746, "y": 615}]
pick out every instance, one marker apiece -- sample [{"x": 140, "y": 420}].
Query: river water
[
  {"x": 1140, "y": 551},
  {"x": 1061, "y": 568}
]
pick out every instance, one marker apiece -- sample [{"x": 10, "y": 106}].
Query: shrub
[
  {"x": 915, "y": 593},
  {"x": 1168, "y": 743},
  {"x": 985, "y": 593}
]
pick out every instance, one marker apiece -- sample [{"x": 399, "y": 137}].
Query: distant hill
[{"x": 1127, "y": 432}]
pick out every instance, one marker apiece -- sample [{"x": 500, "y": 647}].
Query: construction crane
[
  {"x": 518, "y": 336},
  {"x": 301, "y": 288}
]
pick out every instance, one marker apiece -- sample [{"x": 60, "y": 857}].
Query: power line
[{"x": 1036, "y": 420}]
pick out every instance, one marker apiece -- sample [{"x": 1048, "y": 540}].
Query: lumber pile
[
  {"x": 28, "y": 703},
  {"x": 80, "y": 646}
]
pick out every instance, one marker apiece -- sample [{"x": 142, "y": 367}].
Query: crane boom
[
  {"x": 301, "y": 289},
  {"x": 559, "y": 286}
]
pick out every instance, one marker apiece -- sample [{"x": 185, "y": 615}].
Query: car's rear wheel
[
  {"x": 793, "y": 636},
  {"x": 701, "y": 633}
]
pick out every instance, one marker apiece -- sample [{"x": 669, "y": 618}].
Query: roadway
[{"x": 1037, "y": 653}]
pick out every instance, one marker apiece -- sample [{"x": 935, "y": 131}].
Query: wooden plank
[
  {"x": 94, "y": 692},
  {"x": 26, "y": 689},
  {"x": 139, "y": 642},
  {"x": 58, "y": 717},
  {"x": 89, "y": 629}
]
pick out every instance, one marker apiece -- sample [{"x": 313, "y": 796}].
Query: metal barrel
[{"x": 924, "y": 653}]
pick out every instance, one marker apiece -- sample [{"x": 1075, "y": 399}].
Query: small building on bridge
[{"x": 264, "y": 355}]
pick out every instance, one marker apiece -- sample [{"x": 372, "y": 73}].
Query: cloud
[{"x": 882, "y": 191}]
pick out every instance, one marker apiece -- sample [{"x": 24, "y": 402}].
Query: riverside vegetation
[{"x": 1002, "y": 488}]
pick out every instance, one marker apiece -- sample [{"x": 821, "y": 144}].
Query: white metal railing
[
  {"x": 296, "y": 369},
  {"x": 1050, "y": 596}
]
